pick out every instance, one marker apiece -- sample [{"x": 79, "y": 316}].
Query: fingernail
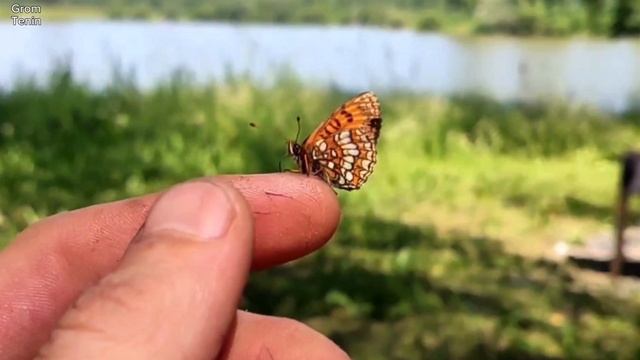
[{"x": 199, "y": 209}]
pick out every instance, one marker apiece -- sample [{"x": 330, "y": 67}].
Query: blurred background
[{"x": 504, "y": 121}]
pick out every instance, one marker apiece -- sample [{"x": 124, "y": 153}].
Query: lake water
[{"x": 602, "y": 73}]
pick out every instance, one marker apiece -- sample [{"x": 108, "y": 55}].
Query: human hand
[{"x": 96, "y": 283}]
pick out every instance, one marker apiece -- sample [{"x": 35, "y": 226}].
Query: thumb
[{"x": 175, "y": 292}]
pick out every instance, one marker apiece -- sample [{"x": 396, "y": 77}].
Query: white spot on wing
[{"x": 344, "y": 138}]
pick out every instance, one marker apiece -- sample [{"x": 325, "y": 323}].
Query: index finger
[{"x": 50, "y": 263}]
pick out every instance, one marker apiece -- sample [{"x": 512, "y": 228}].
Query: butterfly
[{"x": 342, "y": 150}]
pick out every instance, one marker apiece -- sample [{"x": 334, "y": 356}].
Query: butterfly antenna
[{"x": 298, "y": 133}]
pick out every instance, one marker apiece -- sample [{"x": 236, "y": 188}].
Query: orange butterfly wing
[{"x": 344, "y": 146}]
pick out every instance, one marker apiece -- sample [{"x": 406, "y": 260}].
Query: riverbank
[{"x": 597, "y": 73}]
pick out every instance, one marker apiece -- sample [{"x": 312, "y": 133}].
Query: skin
[{"x": 99, "y": 282}]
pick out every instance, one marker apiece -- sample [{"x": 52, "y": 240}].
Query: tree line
[{"x": 516, "y": 17}]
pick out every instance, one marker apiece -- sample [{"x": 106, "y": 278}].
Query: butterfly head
[
  {"x": 294, "y": 149},
  {"x": 299, "y": 155}
]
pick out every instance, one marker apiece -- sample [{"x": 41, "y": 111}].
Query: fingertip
[
  {"x": 269, "y": 337},
  {"x": 294, "y": 214}
]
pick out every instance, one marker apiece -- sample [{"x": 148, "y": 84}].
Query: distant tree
[
  {"x": 496, "y": 15},
  {"x": 597, "y": 15},
  {"x": 626, "y": 18}
]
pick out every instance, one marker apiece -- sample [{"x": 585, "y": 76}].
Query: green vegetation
[
  {"x": 517, "y": 17},
  {"x": 440, "y": 254}
]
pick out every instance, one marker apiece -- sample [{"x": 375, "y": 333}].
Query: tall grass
[{"x": 437, "y": 256}]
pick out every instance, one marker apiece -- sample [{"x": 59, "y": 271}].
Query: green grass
[{"x": 440, "y": 255}]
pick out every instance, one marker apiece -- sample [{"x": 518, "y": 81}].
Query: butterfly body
[{"x": 342, "y": 150}]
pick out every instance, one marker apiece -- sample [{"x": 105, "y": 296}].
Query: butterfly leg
[
  {"x": 325, "y": 178},
  {"x": 328, "y": 181}
]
